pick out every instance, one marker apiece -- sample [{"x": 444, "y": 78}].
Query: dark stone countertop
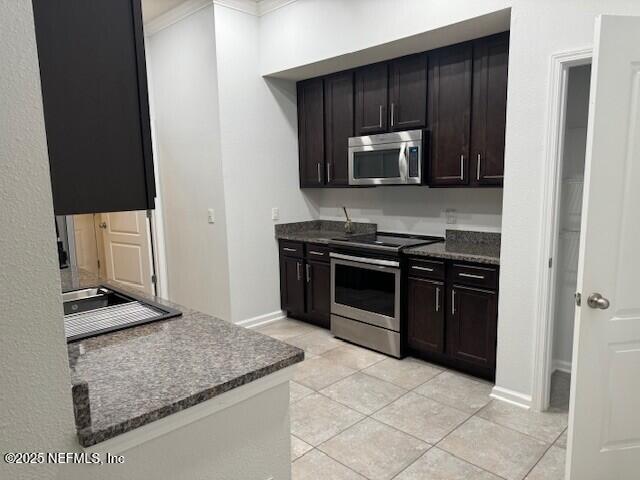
[
  {"x": 479, "y": 247},
  {"x": 141, "y": 374},
  {"x": 320, "y": 231}
]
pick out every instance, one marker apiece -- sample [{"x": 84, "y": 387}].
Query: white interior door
[
  {"x": 604, "y": 424},
  {"x": 85, "y": 242},
  {"x": 127, "y": 249}
]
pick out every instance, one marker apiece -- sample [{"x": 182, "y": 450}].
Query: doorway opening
[
  {"x": 115, "y": 246},
  {"x": 567, "y": 237},
  {"x": 563, "y": 208}
]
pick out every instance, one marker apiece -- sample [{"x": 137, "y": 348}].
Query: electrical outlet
[
  {"x": 211, "y": 216},
  {"x": 275, "y": 213},
  {"x": 450, "y": 214}
]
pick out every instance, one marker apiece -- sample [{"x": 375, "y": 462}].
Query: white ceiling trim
[
  {"x": 252, "y": 7},
  {"x": 245, "y": 6},
  {"x": 268, "y": 6},
  {"x": 174, "y": 15}
]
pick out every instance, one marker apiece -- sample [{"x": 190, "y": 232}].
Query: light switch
[
  {"x": 211, "y": 215},
  {"x": 275, "y": 213}
]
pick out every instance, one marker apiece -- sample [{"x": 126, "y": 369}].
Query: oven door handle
[{"x": 368, "y": 261}]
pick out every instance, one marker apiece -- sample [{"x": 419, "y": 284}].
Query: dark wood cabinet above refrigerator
[
  {"x": 94, "y": 89},
  {"x": 457, "y": 93}
]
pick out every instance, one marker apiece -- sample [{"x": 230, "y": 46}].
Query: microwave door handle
[{"x": 404, "y": 162}]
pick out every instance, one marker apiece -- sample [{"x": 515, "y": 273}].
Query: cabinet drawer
[
  {"x": 474, "y": 275},
  {"x": 426, "y": 268},
  {"x": 317, "y": 252},
  {"x": 292, "y": 249}
]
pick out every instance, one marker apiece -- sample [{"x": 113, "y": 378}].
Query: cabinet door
[
  {"x": 449, "y": 114},
  {"x": 408, "y": 92},
  {"x": 292, "y": 284},
  {"x": 425, "y": 315},
  {"x": 472, "y": 326},
  {"x": 311, "y": 132},
  {"x": 318, "y": 279},
  {"x": 338, "y": 126},
  {"x": 371, "y": 99},
  {"x": 490, "y": 66},
  {"x": 96, "y": 108}
]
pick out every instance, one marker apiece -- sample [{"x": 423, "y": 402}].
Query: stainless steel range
[{"x": 366, "y": 289}]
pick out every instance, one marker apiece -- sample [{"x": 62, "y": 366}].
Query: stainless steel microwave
[{"x": 386, "y": 159}]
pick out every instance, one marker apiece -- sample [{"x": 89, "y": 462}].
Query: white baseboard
[
  {"x": 562, "y": 366},
  {"x": 262, "y": 320},
  {"x": 510, "y": 396}
]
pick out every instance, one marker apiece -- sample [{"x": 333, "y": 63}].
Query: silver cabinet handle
[
  {"x": 287, "y": 249},
  {"x": 319, "y": 173},
  {"x": 437, "y": 299},
  {"x": 426, "y": 269},
  {"x": 329, "y": 172},
  {"x": 471, "y": 275},
  {"x": 312, "y": 252},
  {"x": 478, "y": 169},
  {"x": 393, "y": 113},
  {"x": 298, "y": 271},
  {"x": 380, "y": 121},
  {"x": 462, "y": 167},
  {"x": 308, "y": 269},
  {"x": 453, "y": 302}
]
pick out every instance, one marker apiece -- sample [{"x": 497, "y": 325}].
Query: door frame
[{"x": 552, "y": 172}]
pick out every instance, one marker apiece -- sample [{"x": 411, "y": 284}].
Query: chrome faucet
[{"x": 348, "y": 225}]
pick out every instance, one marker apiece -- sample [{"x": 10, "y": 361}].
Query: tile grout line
[
  {"x": 439, "y": 447},
  {"x": 538, "y": 461},
  {"x": 330, "y": 457}
]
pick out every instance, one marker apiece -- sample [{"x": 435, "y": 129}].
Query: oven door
[
  {"x": 366, "y": 289},
  {"x": 386, "y": 164}
]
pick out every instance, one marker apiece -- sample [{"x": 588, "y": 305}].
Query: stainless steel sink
[
  {"x": 94, "y": 311},
  {"x": 92, "y": 299}
]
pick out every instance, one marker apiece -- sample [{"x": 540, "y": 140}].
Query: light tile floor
[{"x": 357, "y": 414}]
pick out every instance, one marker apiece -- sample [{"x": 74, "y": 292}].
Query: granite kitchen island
[{"x": 213, "y": 386}]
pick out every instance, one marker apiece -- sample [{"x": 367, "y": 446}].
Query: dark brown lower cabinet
[
  {"x": 472, "y": 326},
  {"x": 318, "y": 278},
  {"x": 425, "y": 326},
  {"x": 452, "y": 315},
  {"x": 305, "y": 282},
  {"x": 292, "y": 284}
]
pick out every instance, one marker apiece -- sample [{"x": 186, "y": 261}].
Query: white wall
[
  {"x": 413, "y": 209},
  {"x": 309, "y": 31},
  {"x": 258, "y": 120},
  {"x": 573, "y": 162},
  {"x": 35, "y": 391},
  {"x": 183, "y": 74},
  {"x": 312, "y": 30}
]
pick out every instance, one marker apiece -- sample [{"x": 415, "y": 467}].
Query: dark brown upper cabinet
[
  {"x": 371, "y": 99},
  {"x": 489, "y": 112},
  {"x": 96, "y": 109},
  {"x": 408, "y": 92},
  {"x": 425, "y": 318},
  {"x": 311, "y": 132},
  {"x": 338, "y": 126},
  {"x": 449, "y": 114}
]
